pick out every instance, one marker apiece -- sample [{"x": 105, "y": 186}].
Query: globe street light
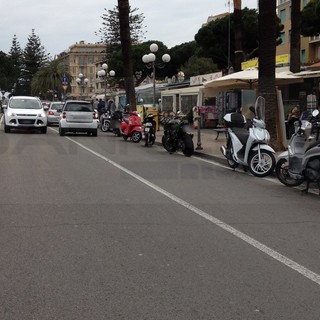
[
  {"x": 180, "y": 76},
  {"x": 82, "y": 82},
  {"x": 103, "y": 73},
  {"x": 150, "y": 61}
]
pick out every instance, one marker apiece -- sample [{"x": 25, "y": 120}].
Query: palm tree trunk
[
  {"x": 237, "y": 16},
  {"x": 295, "y": 36},
  {"x": 124, "y": 10},
  {"x": 267, "y": 56}
]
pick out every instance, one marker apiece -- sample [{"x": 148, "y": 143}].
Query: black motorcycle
[
  {"x": 149, "y": 130},
  {"x": 176, "y": 136}
]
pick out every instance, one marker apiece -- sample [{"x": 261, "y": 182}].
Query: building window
[
  {"x": 187, "y": 102},
  {"x": 283, "y": 37},
  {"x": 167, "y": 103},
  {"x": 304, "y": 3},
  {"x": 283, "y": 15},
  {"x": 303, "y": 56}
]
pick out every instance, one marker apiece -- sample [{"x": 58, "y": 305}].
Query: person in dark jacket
[{"x": 293, "y": 116}]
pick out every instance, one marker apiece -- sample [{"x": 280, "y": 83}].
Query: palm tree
[
  {"x": 126, "y": 49},
  {"x": 267, "y": 56},
  {"x": 48, "y": 80}
]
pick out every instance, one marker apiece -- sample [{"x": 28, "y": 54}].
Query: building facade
[
  {"x": 83, "y": 58},
  {"x": 310, "y": 46}
]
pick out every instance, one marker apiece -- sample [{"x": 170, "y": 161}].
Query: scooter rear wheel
[
  {"x": 232, "y": 164},
  {"x": 283, "y": 174}
]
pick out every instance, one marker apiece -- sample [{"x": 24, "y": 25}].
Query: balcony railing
[{"x": 314, "y": 38}]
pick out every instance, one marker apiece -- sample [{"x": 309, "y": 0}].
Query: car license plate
[{"x": 146, "y": 129}]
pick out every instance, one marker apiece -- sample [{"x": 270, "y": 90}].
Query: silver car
[
  {"x": 24, "y": 112},
  {"x": 54, "y": 112},
  {"x": 78, "y": 116}
]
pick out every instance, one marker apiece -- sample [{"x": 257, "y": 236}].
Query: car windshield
[
  {"x": 56, "y": 106},
  {"x": 25, "y": 104},
  {"x": 80, "y": 107}
]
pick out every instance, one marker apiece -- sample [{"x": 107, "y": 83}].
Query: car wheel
[
  {"x": 44, "y": 130},
  {"x": 95, "y": 133},
  {"x": 6, "y": 129}
]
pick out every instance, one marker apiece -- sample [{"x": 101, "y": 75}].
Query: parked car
[
  {"x": 24, "y": 112},
  {"x": 54, "y": 112},
  {"x": 78, "y": 116}
]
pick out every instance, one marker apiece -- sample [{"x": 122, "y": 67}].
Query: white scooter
[{"x": 249, "y": 146}]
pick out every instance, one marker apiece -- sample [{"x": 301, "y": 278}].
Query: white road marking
[{"x": 258, "y": 245}]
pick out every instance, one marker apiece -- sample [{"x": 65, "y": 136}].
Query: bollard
[{"x": 199, "y": 147}]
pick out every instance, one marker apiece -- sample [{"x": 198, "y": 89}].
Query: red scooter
[{"x": 131, "y": 127}]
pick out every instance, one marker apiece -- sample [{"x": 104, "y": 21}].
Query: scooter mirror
[{"x": 315, "y": 112}]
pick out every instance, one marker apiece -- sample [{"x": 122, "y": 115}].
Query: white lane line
[{"x": 258, "y": 245}]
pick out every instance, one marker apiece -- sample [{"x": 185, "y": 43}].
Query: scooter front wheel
[
  {"x": 283, "y": 174},
  {"x": 105, "y": 126},
  {"x": 186, "y": 145},
  {"x": 146, "y": 137},
  {"x": 167, "y": 144},
  {"x": 261, "y": 166}
]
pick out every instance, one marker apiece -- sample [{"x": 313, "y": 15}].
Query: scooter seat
[{"x": 242, "y": 134}]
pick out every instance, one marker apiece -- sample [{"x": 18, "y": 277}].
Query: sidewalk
[
  {"x": 209, "y": 143},
  {"x": 207, "y": 146}
]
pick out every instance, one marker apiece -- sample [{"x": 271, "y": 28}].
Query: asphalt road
[{"x": 101, "y": 228}]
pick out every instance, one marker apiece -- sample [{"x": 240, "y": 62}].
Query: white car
[
  {"x": 24, "y": 112},
  {"x": 78, "y": 116},
  {"x": 54, "y": 112}
]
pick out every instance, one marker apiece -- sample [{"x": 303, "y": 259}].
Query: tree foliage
[
  {"x": 47, "y": 82},
  {"x": 213, "y": 38},
  {"x": 110, "y": 31},
  {"x": 179, "y": 54},
  {"x": 116, "y": 60},
  {"x": 310, "y": 19},
  {"x": 198, "y": 65},
  {"x": 34, "y": 57}
]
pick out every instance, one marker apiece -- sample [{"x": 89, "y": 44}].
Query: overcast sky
[{"x": 61, "y": 23}]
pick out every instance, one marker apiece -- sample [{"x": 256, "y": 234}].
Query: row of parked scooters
[
  {"x": 248, "y": 145},
  {"x": 130, "y": 126}
]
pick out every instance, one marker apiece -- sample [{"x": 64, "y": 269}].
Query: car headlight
[
  {"x": 42, "y": 115},
  {"x": 11, "y": 114}
]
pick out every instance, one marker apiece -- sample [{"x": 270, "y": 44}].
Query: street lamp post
[
  {"x": 82, "y": 82},
  {"x": 150, "y": 61},
  {"x": 103, "y": 73}
]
